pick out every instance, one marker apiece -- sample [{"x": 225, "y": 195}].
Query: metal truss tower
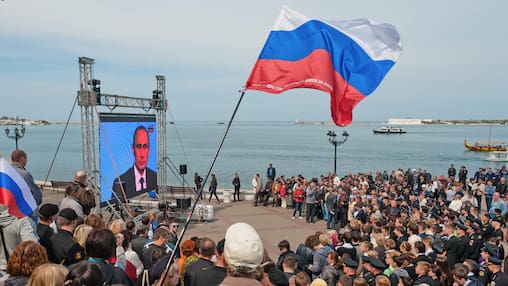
[
  {"x": 87, "y": 101},
  {"x": 160, "y": 95},
  {"x": 90, "y": 96}
]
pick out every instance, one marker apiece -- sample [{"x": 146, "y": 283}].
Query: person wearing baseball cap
[
  {"x": 47, "y": 214},
  {"x": 66, "y": 249},
  {"x": 243, "y": 252}
]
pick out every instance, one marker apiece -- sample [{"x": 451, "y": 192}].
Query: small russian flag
[{"x": 14, "y": 191}]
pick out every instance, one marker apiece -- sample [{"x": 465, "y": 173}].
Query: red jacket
[{"x": 298, "y": 195}]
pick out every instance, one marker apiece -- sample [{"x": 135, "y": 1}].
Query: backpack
[{"x": 86, "y": 199}]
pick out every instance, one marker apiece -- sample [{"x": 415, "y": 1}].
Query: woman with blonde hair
[
  {"x": 117, "y": 226},
  {"x": 48, "y": 275},
  {"x": 27, "y": 256},
  {"x": 81, "y": 232}
]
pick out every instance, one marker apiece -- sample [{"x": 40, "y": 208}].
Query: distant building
[{"x": 408, "y": 121}]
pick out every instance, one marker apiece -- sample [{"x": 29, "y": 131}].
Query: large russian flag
[
  {"x": 14, "y": 191},
  {"x": 347, "y": 59}
]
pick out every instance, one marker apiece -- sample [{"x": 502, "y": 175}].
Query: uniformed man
[
  {"x": 484, "y": 274},
  {"x": 487, "y": 228},
  {"x": 463, "y": 242},
  {"x": 375, "y": 268},
  {"x": 499, "y": 278},
  {"x": 497, "y": 231},
  {"x": 349, "y": 268},
  {"x": 65, "y": 248},
  {"x": 474, "y": 241}
]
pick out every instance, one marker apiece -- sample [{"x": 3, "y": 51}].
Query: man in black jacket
[
  {"x": 450, "y": 246},
  {"x": 194, "y": 275}
]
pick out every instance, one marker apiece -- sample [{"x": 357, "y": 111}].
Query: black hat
[
  {"x": 425, "y": 209},
  {"x": 366, "y": 258},
  {"x": 474, "y": 226},
  {"x": 461, "y": 226},
  {"x": 497, "y": 210},
  {"x": 350, "y": 262},
  {"x": 434, "y": 215},
  {"x": 491, "y": 249},
  {"x": 48, "y": 210},
  {"x": 461, "y": 194},
  {"x": 495, "y": 261},
  {"x": 376, "y": 263},
  {"x": 68, "y": 213},
  {"x": 497, "y": 219},
  {"x": 277, "y": 277}
]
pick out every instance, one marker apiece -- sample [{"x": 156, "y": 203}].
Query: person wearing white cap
[{"x": 243, "y": 251}]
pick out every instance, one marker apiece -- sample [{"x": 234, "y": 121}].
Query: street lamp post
[
  {"x": 332, "y": 138},
  {"x": 18, "y": 134}
]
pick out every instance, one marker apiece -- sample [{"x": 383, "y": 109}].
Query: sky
[{"x": 453, "y": 64}]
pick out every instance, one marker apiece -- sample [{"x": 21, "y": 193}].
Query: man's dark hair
[
  {"x": 17, "y": 155},
  {"x": 84, "y": 273},
  {"x": 160, "y": 232},
  {"x": 139, "y": 128},
  {"x": 220, "y": 246},
  {"x": 207, "y": 247},
  {"x": 420, "y": 247},
  {"x": 145, "y": 220},
  {"x": 284, "y": 244},
  {"x": 142, "y": 229},
  {"x": 345, "y": 280},
  {"x": 290, "y": 261},
  {"x": 100, "y": 243},
  {"x": 130, "y": 225},
  {"x": 460, "y": 271}
]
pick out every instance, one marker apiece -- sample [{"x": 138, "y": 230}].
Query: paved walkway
[{"x": 272, "y": 224}]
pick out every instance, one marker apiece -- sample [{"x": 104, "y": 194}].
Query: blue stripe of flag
[{"x": 349, "y": 59}]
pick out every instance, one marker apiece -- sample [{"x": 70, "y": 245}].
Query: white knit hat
[{"x": 243, "y": 246}]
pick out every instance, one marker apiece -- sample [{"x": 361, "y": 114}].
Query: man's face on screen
[{"x": 141, "y": 148}]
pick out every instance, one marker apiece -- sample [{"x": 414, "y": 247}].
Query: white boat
[
  {"x": 389, "y": 130},
  {"x": 497, "y": 156}
]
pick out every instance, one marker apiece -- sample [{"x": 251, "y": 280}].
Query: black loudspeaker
[
  {"x": 183, "y": 203},
  {"x": 183, "y": 169}
]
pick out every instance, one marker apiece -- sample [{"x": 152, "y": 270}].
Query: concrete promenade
[{"x": 272, "y": 223}]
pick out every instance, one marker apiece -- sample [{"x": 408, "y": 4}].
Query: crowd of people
[{"x": 406, "y": 227}]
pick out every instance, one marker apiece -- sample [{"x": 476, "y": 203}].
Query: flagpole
[{"x": 170, "y": 261}]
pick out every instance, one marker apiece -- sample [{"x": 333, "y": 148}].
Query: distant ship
[
  {"x": 389, "y": 130},
  {"x": 488, "y": 146}
]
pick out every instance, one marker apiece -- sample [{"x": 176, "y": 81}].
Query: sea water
[{"x": 292, "y": 149}]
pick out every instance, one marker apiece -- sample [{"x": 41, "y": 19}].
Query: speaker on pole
[{"x": 183, "y": 169}]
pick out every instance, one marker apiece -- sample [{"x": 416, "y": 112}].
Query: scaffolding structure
[{"x": 90, "y": 97}]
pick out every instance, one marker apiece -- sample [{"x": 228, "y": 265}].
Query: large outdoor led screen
[{"x": 128, "y": 155}]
